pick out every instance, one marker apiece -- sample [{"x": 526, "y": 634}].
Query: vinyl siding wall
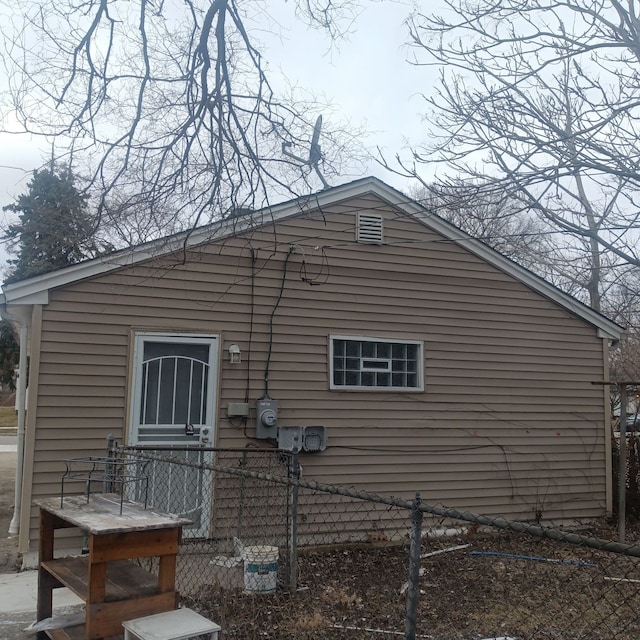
[{"x": 509, "y": 422}]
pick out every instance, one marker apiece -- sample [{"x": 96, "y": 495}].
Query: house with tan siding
[{"x": 427, "y": 361}]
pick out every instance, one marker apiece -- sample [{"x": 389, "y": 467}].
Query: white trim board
[{"x": 36, "y": 290}]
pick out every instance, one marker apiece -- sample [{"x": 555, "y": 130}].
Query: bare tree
[
  {"x": 168, "y": 102},
  {"x": 507, "y": 226},
  {"x": 541, "y": 100}
]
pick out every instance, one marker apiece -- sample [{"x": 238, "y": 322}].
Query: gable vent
[{"x": 369, "y": 229}]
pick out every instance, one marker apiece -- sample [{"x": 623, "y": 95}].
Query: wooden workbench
[{"x": 113, "y": 587}]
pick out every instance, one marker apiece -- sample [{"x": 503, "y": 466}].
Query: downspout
[{"x": 21, "y": 403}]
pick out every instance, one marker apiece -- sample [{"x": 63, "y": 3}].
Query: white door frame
[
  {"x": 172, "y": 338},
  {"x": 203, "y": 481}
]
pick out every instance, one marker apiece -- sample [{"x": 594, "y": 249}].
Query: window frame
[{"x": 370, "y": 388}]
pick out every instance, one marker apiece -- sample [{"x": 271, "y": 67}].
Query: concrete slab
[
  {"x": 13, "y": 625},
  {"x": 8, "y": 443},
  {"x": 18, "y": 600},
  {"x": 19, "y": 594}
]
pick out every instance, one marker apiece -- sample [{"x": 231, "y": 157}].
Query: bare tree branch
[
  {"x": 166, "y": 104},
  {"x": 541, "y": 100}
]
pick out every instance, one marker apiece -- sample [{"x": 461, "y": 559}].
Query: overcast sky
[{"x": 365, "y": 76}]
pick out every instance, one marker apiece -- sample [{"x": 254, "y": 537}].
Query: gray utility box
[
  {"x": 290, "y": 439},
  {"x": 314, "y": 439},
  {"x": 307, "y": 439},
  {"x": 267, "y": 419}
]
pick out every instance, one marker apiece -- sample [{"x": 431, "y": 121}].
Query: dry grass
[{"x": 8, "y": 417}]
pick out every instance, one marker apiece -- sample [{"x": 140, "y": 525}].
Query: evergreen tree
[
  {"x": 54, "y": 228},
  {"x": 9, "y": 356}
]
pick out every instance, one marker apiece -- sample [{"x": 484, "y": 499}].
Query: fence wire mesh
[{"x": 346, "y": 567}]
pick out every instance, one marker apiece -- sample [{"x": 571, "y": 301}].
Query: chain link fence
[
  {"x": 632, "y": 472},
  {"x": 353, "y": 565}
]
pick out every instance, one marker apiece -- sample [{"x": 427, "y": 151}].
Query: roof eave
[
  {"x": 606, "y": 328},
  {"x": 35, "y": 290}
]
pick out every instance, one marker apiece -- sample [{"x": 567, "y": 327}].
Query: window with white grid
[{"x": 359, "y": 363}]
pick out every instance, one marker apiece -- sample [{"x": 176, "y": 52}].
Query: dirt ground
[
  {"x": 481, "y": 585},
  {"x": 9, "y": 557}
]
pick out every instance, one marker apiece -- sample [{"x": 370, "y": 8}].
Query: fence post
[
  {"x": 622, "y": 464},
  {"x": 411, "y": 619},
  {"x": 294, "y": 473}
]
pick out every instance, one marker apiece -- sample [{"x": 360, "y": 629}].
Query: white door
[{"x": 174, "y": 387}]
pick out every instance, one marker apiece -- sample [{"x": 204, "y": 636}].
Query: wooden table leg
[
  {"x": 167, "y": 567},
  {"x": 46, "y": 583},
  {"x": 97, "y": 588},
  {"x": 167, "y": 573}
]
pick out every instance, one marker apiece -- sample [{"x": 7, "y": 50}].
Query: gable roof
[{"x": 35, "y": 290}]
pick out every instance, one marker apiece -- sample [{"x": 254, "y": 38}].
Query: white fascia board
[
  {"x": 606, "y": 328},
  {"x": 38, "y": 297},
  {"x": 36, "y": 289}
]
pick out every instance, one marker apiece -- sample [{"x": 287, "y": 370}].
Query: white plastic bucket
[{"x": 260, "y": 568}]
